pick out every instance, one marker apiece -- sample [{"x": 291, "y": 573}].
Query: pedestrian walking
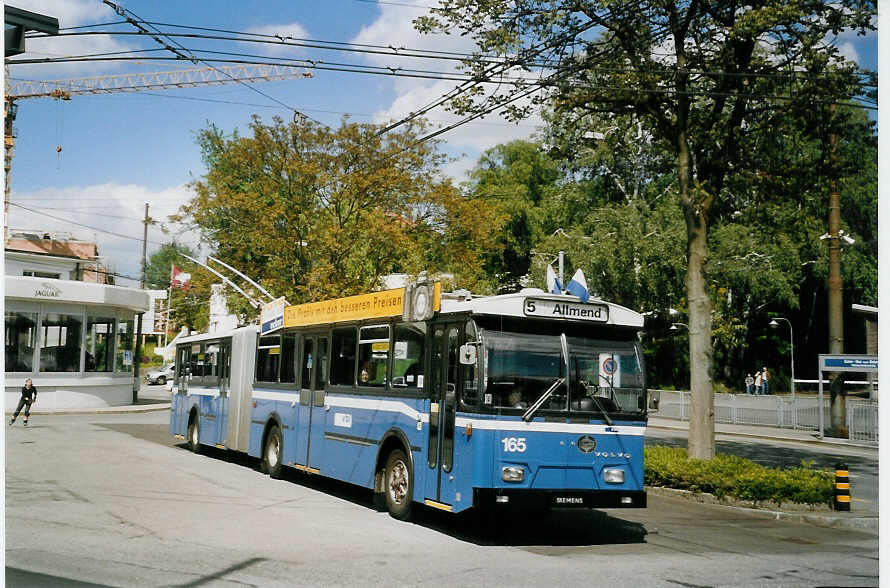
[
  {"x": 758, "y": 383},
  {"x": 29, "y": 397},
  {"x": 765, "y": 378},
  {"x": 749, "y": 384}
]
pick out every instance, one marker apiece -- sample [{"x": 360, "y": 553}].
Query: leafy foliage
[
  {"x": 313, "y": 213},
  {"x": 728, "y": 475}
]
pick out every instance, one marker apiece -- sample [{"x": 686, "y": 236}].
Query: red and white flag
[{"x": 179, "y": 278}]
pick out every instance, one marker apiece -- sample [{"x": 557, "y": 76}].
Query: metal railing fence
[{"x": 774, "y": 411}]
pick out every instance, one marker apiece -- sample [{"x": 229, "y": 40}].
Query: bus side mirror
[
  {"x": 654, "y": 397},
  {"x": 467, "y": 354}
]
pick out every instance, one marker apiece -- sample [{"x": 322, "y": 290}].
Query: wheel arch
[
  {"x": 394, "y": 438},
  {"x": 274, "y": 420}
]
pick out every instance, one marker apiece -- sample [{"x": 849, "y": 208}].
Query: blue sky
[{"x": 119, "y": 151}]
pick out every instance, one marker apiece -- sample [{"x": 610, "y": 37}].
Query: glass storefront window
[
  {"x": 125, "y": 338},
  {"x": 21, "y": 337},
  {"x": 100, "y": 344},
  {"x": 60, "y": 345}
]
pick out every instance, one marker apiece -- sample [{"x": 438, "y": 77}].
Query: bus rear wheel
[
  {"x": 398, "y": 485},
  {"x": 272, "y": 453},
  {"x": 194, "y": 433}
]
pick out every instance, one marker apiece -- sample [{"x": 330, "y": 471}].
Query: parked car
[{"x": 161, "y": 375}]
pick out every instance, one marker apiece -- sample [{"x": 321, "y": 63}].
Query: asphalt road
[{"x": 112, "y": 500}]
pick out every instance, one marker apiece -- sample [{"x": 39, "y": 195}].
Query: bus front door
[
  {"x": 311, "y": 417},
  {"x": 442, "y": 479}
]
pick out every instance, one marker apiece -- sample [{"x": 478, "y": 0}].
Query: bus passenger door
[
  {"x": 311, "y": 418},
  {"x": 180, "y": 399},
  {"x": 442, "y": 483}
]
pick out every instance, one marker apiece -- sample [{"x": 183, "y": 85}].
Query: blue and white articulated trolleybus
[{"x": 444, "y": 399}]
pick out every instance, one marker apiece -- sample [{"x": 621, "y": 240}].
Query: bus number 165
[{"x": 514, "y": 444}]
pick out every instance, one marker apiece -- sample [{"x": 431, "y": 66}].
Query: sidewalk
[
  {"x": 762, "y": 432},
  {"x": 149, "y": 399}
]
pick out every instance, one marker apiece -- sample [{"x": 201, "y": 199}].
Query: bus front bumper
[{"x": 508, "y": 497}]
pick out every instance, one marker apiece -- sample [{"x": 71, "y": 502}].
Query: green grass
[{"x": 727, "y": 475}]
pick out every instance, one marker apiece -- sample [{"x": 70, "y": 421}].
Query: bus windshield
[{"x": 604, "y": 376}]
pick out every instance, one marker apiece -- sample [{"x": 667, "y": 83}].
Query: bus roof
[{"x": 212, "y": 336}]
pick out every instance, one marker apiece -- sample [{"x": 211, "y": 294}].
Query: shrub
[{"x": 728, "y": 475}]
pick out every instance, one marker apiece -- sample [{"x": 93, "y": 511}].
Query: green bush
[{"x": 728, "y": 475}]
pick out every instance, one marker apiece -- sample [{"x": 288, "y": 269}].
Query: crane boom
[
  {"x": 160, "y": 80},
  {"x": 138, "y": 82}
]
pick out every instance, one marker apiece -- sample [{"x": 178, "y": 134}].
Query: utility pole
[
  {"x": 137, "y": 359},
  {"x": 835, "y": 284}
]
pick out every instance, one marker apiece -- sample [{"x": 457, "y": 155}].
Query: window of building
[
  {"x": 343, "y": 342},
  {"x": 60, "y": 344},
  {"x": 123, "y": 362},
  {"x": 407, "y": 355},
  {"x": 37, "y": 274},
  {"x": 268, "y": 358},
  {"x": 21, "y": 338},
  {"x": 373, "y": 354},
  {"x": 99, "y": 344}
]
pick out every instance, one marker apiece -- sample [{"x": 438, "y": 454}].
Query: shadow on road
[{"x": 563, "y": 527}]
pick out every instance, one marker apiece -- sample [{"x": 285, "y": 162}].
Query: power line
[{"x": 121, "y": 11}]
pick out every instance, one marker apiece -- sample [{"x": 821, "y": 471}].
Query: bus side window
[
  {"x": 407, "y": 356},
  {"x": 288, "y": 358},
  {"x": 470, "y": 396},
  {"x": 268, "y": 356},
  {"x": 373, "y": 352},
  {"x": 343, "y": 341}
]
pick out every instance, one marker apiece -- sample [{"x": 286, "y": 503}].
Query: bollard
[{"x": 841, "y": 487}]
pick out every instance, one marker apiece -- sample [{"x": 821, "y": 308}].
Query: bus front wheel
[
  {"x": 398, "y": 485},
  {"x": 272, "y": 453}
]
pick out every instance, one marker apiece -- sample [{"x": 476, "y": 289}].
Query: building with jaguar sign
[{"x": 75, "y": 339}]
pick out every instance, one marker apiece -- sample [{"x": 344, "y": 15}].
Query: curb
[
  {"x": 823, "y": 517},
  {"x": 814, "y": 441},
  {"x": 133, "y": 408}
]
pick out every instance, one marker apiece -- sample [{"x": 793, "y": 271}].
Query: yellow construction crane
[{"x": 136, "y": 82}]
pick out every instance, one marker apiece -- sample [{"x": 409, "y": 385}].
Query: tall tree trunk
[{"x": 695, "y": 205}]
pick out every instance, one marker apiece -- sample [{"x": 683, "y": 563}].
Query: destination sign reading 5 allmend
[{"x": 566, "y": 310}]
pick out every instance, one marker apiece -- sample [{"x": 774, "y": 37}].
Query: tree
[
  {"x": 313, "y": 213},
  {"x": 703, "y": 78},
  {"x": 189, "y": 307}
]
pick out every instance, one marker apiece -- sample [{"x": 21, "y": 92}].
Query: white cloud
[
  {"x": 395, "y": 30},
  {"x": 113, "y": 211},
  {"x": 70, "y": 13}
]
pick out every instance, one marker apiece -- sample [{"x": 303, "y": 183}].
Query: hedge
[{"x": 728, "y": 475}]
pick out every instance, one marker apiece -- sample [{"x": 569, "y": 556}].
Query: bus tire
[
  {"x": 398, "y": 487},
  {"x": 194, "y": 434},
  {"x": 272, "y": 453}
]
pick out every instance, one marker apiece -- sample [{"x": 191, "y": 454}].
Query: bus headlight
[
  {"x": 512, "y": 474},
  {"x": 613, "y": 476}
]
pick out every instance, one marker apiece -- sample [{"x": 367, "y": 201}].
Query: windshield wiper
[
  {"x": 602, "y": 410},
  {"x": 527, "y": 416}
]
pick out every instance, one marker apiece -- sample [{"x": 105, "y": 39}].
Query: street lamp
[
  {"x": 774, "y": 324},
  {"x": 675, "y": 325}
]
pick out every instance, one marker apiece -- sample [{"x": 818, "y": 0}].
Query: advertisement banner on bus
[
  {"x": 272, "y": 316},
  {"x": 383, "y": 304}
]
